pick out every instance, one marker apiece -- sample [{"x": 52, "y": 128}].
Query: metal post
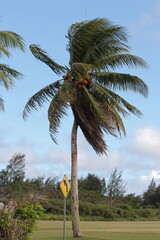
[{"x": 64, "y": 222}]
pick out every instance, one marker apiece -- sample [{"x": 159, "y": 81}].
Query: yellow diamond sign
[{"x": 65, "y": 186}]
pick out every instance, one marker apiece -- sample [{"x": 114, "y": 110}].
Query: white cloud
[
  {"x": 141, "y": 159},
  {"x": 57, "y": 161},
  {"x": 139, "y": 183},
  {"x": 146, "y": 143},
  {"x": 7, "y": 151},
  {"x": 94, "y": 163},
  {"x": 89, "y": 161},
  {"x": 152, "y": 174}
]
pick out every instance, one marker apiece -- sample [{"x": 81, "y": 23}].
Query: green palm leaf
[
  {"x": 1, "y": 104},
  {"x": 41, "y": 97},
  {"x": 111, "y": 121},
  {"x": 6, "y": 76},
  {"x": 9, "y": 39},
  {"x": 85, "y": 117},
  {"x": 94, "y": 105},
  {"x": 122, "y": 81},
  {"x": 58, "y": 107},
  {"x": 80, "y": 70},
  {"x": 91, "y": 34},
  {"x": 118, "y": 102},
  {"x": 105, "y": 96},
  {"x": 101, "y": 50},
  {"x": 116, "y": 125},
  {"x": 115, "y": 61},
  {"x": 56, "y": 111},
  {"x": 41, "y": 55},
  {"x": 4, "y": 51},
  {"x": 108, "y": 118}
]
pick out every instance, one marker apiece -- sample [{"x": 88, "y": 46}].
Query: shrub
[
  {"x": 54, "y": 206},
  {"x": 20, "y": 223}
]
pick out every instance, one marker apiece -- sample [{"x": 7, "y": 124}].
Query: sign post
[{"x": 65, "y": 188}]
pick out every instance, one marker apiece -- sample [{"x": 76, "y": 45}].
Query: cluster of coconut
[{"x": 80, "y": 82}]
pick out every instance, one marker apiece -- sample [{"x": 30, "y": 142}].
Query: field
[{"x": 53, "y": 230}]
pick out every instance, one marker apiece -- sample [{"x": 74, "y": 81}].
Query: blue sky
[{"x": 46, "y": 23}]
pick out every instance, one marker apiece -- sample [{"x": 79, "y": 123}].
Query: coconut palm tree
[
  {"x": 88, "y": 86},
  {"x": 8, "y": 39}
]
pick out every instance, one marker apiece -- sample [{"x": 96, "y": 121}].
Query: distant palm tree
[
  {"x": 8, "y": 40},
  {"x": 88, "y": 86}
]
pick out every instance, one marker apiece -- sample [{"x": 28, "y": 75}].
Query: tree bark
[{"x": 74, "y": 183}]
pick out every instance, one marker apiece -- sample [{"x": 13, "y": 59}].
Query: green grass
[{"x": 53, "y": 230}]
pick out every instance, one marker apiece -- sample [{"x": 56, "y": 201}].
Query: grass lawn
[{"x": 53, "y": 230}]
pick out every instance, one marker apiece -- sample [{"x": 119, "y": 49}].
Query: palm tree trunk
[{"x": 74, "y": 183}]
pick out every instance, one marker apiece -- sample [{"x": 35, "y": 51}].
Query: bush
[
  {"x": 125, "y": 207},
  {"x": 85, "y": 208},
  {"x": 54, "y": 206},
  {"x": 20, "y": 223}
]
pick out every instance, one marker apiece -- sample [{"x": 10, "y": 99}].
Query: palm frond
[
  {"x": 41, "y": 97},
  {"x": 80, "y": 37},
  {"x": 119, "y": 60},
  {"x": 94, "y": 105},
  {"x": 80, "y": 70},
  {"x": 109, "y": 31},
  {"x": 89, "y": 34},
  {"x": 67, "y": 91},
  {"x": 111, "y": 121},
  {"x": 57, "y": 109},
  {"x": 9, "y": 39},
  {"x": 122, "y": 81},
  {"x": 6, "y": 76},
  {"x": 1, "y": 104},
  {"x": 118, "y": 102},
  {"x": 131, "y": 108},
  {"x": 105, "y": 96},
  {"x": 4, "y": 51},
  {"x": 116, "y": 125},
  {"x": 85, "y": 118},
  {"x": 108, "y": 118},
  {"x": 41, "y": 55},
  {"x": 10, "y": 71},
  {"x": 6, "y": 80},
  {"x": 103, "y": 49}
]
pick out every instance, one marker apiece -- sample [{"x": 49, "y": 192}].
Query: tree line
[{"x": 97, "y": 197}]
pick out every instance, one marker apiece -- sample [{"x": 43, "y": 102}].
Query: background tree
[
  {"x": 14, "y": 171},
  {"x": 133, "y": 200},
  {"x": 116, "y": 187},
  {"x": 8, "y": 39},
  {"x": 157, "y": 197},
  {"x": 92, "y": 189},
  {"x": 12, "y": 177},
  {"x": 150, "y": 194},
  {"x": 88, "y": 86},
  {"x": 51, "y": 186},
  {"x": 92, "y": 183}
]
